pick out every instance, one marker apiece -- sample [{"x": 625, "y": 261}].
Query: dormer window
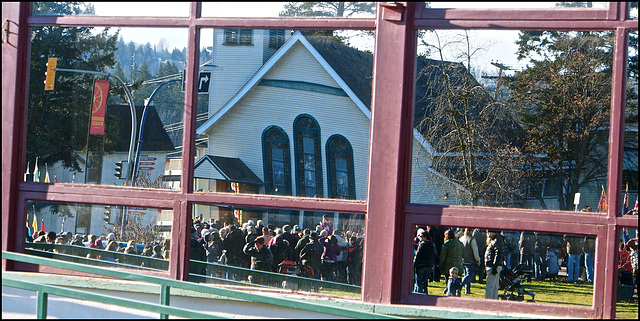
[{"x": 237, "y": 36}]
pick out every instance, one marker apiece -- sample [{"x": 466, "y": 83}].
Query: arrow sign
[{"x": 203, "y": 82}]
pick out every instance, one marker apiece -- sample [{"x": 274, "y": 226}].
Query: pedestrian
[
  {"x": 112, "y": 245},
  {"x": 329, "y": 257},
  {"x": 527, "y": 244},
  {"x": 311, "y": 255},
  {"x": 552, "y": 265},
  {"x": 423, "y": 262},
  {"x": 326, "y": 223},
  {"x": 452, "y": 253},
  {"x": 575, "y": 246},
  {"x": 493, "y": 258},
  {"x": 471, "y": 259},
  {"x": 589, "y": 256}
]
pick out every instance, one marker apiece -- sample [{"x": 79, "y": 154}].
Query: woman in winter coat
[{"x": 452, "y": 253}]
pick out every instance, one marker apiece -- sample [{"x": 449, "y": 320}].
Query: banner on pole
[{"x": 99, "y": 107}]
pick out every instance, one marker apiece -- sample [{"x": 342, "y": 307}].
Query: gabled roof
[
  {"x": 297, "y": 37},
  {"x": 228, "y": 169},
  {"x": 154, "y": 138}
]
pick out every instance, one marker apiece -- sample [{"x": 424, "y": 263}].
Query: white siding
[{"x": 298, "y": 64}]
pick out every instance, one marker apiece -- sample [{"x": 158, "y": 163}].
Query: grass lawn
[{"x": 550, "y": 292}]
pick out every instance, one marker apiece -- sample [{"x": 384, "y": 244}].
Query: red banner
[{"x": 99, "y": 107}]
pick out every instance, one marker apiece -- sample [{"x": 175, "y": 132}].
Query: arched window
[
  {"x": 277, "y": 161},
  {"x": 308, "y": 162},
  {"x": 340, "y": 168}
]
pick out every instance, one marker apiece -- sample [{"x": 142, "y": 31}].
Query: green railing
[
  {"x": 165, "y": 287},
  {"x": 210, "y": 272}
]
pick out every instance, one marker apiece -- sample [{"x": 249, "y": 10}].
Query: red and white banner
[{"x": 99, "y": 107}]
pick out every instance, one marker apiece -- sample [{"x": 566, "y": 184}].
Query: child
[{"x": 454, "y": 284}]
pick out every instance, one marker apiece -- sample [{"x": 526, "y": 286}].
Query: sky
[{"x": 499, "y": 45}]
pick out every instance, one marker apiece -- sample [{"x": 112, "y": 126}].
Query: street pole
[
  {"x": 144, "y": 116},
  {"x": 131, "y": 105}
]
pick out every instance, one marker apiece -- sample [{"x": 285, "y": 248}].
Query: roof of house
[
  {"x": 230, "y": 169},
  {"x": 154, "y": 138}
]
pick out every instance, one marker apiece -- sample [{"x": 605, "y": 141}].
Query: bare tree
[{"x": 474, "y": 139}]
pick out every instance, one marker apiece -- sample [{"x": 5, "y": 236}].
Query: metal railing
[
  {"x": 207, "y": 272},
  {"x": 165, "y": 287}
]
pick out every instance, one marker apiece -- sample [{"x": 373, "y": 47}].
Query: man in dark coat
[
  {"x": 423, "y": 262},
  {"x": 311, "y": 254},
  {"x": 233, "y": 244},
  {"x": 493, "y": 260}
]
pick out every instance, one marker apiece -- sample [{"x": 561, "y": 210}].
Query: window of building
[
  {"x": 308, "y": 159},
  {"x": 276, "y": 38},
  {"x": 277, "y": 164},
  {"x": 238, "y": 36},
  {"x": 340, "y": 168}
]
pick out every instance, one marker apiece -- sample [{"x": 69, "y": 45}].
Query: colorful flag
[
  {"x": 602, "y": 205},
  {"x": 27, "y": 223},
  {"x": 35, "y": 225},
  {"x": 635, "y": 211},
  {"x": 55, "y": 179},
  {"x": 98, "y": 107},
  {"x": 625, "y": 201},
  {"x": 42, "y": 228},
  {"x": 237, "y": 213},
  {"x": 27, "y": 173},
  {"x": 36, "y": 172},
  {"x": 46, "y": 176}
]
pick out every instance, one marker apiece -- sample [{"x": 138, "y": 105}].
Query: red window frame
[{"x": 390, "y": 215}]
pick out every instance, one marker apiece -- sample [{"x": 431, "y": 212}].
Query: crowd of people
[
  {"x": 446, "y": 251},
  {"x": 322, "y": 253}
]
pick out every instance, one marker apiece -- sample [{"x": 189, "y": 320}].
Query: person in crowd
[
  {"x": 233, "y": 245},
  {"x": 625, "y": 267},
  {"x": 632, "y": 248},
  {"x": 157, "y": 252},
  {"x": 423, "y": 262},
  {"x": 327, "y": 223},
  {"x": 147, "y": 251},
  {"x": 471, "y": 259},
  {"x": 552, "y": 265},
  {"x": 539, "y": 254},
  {"x": 311, "y": 254},
  {"x": 267, "y": 233},
  {"x": 59, "y": 240},
  {"x": 354, "y": 261},
  {"x": 51, "y": 237},
  {"x": 527, "y": 244},
  {"x": 303, "y": 241},
  {"x": 341, "y": 260},
  {"x": 112, "y": 245},
  {"x": 416, "y": 240},
  {"x": 166, "y": 247},
  {"x": 452, "y": 253},
  {"x": 261, "y": 257},
  {"x": 511, "y": 247},
  {"x": 575, "y": 246},
  {"x": 481, "y": 241},
  {"x": 454, "y": 283},
  {"x": 77, "y": 240},
  {"x": 589, "y": 256},
  {"x": 281, "y": 250},
  {"x": 41, "y": 237},
  {"x": 92, "y": 241},
  {"x": 493, "y": 259},
  {"x": 214, "y": 247},
  {"x": 196, "y": 252},
  {"x": 329, "y": 257}
]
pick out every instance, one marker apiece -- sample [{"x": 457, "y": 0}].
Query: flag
[
  {"x": 602, "y": 205},
  {"x": 36, "y": 172},
  {"x": 55, "y": 179},
  {"x": 42, "y": 228},
  {"x": 237, "y": 213},
  {"x": 46, "y": 176},
  {"x": 635, "y": 211},
  {"x": 35, "y": 225},
  {"x": 27, "y": 173},
  {"x": 27, "y": 223}
]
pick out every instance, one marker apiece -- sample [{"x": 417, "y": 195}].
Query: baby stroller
[
  {"x": 288, "y": 267},
  {"x": 511, "y": 283}
]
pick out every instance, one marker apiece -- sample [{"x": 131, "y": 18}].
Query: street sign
[{"x": 203, "y": 82}]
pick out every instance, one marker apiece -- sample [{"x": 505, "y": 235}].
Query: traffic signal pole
[
  {"x": 134, "y": 175},
  {"x": 131, "y": 105}
]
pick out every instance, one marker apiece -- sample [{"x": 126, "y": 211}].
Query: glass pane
[
  {"x": 516, "y": 5},
  {"x": 630, "y": 151},
  {"x": 257, "y": 92},
  {"x": 289, "y": 9},
  {"x": 167, "y": 9},
  {"x": 533, "y": 266},
  {"x": 223, "y": 249},
  {"x": 79, "y": 123},
  {"x": 508, "y": 125},
  {"x": 633, "y": 10},
  {"x": 100, "y": 234}
]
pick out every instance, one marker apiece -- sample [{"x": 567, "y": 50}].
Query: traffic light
[
  {"x": 107, "y": 214},
  {"x": 122, "y": 170},
  {"x": 50, "y": 74}
]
